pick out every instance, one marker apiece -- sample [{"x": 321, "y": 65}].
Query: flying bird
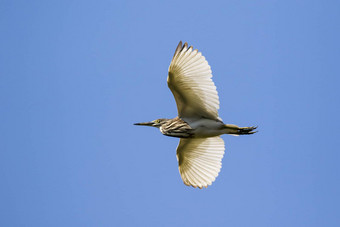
[{"x": 201, "y": 149}]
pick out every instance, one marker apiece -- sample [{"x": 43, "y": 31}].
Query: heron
[{"x": 198, "y": 125}]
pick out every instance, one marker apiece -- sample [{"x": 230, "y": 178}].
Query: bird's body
[
  {"x": 200, "y": 150},
  {"x": 205, "y": 127},
  {"x": 199, "y": 128}
]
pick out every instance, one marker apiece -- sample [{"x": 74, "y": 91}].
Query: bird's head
[{"x": 156, "y": 123}]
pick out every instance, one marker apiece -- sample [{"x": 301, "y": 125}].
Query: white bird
[{"x": 201, "y": 149}]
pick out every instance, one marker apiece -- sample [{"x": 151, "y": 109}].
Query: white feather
[
  {"x": 190, "y": 81},
  {"x": 200, "y": 160}
]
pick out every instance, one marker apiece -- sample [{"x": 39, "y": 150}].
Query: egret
[{"x": 201, "y": 149}]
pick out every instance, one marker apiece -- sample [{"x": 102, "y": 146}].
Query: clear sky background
[{"x": 76, "y": 75}]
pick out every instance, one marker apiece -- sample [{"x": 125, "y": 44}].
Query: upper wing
[
  {"x": 200, "y": 160},
  {"x": 190, "y": 81}
]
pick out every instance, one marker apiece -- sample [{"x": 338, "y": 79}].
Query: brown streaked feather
[{"x": 177, "y": 128}]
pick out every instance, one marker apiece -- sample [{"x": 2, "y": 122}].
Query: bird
[{"x": 198, "y": 125}]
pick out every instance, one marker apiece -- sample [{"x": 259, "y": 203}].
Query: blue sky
[{"x": 76, "y": 75}]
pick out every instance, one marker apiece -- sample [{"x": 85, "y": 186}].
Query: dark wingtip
[
  {"x": 185, "y": 46},
  {"x": 178, "y": 49}
]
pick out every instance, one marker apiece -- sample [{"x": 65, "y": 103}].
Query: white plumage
[
  {"x": 200, "y": 160},
  {"x": 200, "y": 150},
  {"x": 196, "y": 96},
  {"x": 190, "y": 81}
]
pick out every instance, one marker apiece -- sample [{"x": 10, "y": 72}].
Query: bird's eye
[{"x": 157, "y": 121}]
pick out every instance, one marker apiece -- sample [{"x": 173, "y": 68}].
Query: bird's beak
[{"x": 145, "y": 123}]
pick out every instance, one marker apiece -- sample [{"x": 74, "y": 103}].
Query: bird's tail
[{"x": 235, "y": 130}]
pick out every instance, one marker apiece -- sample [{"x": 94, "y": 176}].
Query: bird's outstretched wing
[
  {"x": 190, "y": 81},
  {"x": 200, "y": 160}
]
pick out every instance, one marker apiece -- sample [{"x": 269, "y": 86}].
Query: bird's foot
[{"x": 247, "y": 130}]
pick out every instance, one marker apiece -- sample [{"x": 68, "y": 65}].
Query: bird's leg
[{"x": 235, "y": 130}]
